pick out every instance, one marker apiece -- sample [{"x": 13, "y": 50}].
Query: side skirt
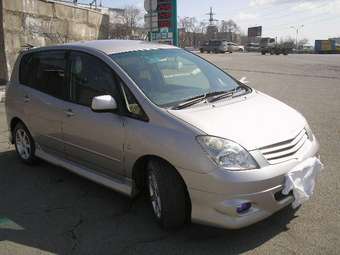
[{"x": 124, "y": 186}]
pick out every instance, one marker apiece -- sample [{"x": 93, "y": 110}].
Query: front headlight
[{"x": 227, "y": 154}]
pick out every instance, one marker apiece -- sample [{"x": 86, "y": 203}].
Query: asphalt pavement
[{"x": 47, "y": 210}]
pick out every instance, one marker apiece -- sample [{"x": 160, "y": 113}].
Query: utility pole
[
  {"x": 296, "y": 28},
  {"x": 211, "y": 17}
]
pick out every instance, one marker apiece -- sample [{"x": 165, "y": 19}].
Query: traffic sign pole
[
  {"x": 174, "y": 22},
  {"x": 161, "y": 20}
]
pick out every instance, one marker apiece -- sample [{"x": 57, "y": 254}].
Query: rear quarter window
[
  {"x": 45, "y": 71},
  {"x": 26, "y": 70}
]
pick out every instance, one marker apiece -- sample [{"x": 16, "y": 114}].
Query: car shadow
[{"x": 47, "y": 208}]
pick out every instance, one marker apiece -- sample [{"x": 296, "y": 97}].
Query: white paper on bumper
[{"x": 301, "y": 179}]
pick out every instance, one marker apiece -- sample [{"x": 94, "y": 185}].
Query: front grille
[{"x": 283, "y": 151}]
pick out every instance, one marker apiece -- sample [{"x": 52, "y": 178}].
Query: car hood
[{"x": 253, "y": 121}]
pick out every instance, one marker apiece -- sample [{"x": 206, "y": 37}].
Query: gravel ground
[{"x": 46, "y": 209}]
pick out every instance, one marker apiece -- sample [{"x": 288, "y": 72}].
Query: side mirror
[
  {"x": 244, "y": 80},
  {"x": 103, "y": 104}
]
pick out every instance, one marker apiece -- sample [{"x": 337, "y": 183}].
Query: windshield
[{"x": 170, "y": 76}]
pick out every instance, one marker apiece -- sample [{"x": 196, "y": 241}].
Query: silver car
[{"x": 135, "y": 116}]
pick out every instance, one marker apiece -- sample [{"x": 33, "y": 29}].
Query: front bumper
[{"x": 215, "y": 196}]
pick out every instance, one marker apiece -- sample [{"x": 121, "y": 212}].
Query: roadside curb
[{"x": 2, "y": 94}]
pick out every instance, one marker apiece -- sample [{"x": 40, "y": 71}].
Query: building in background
[{"x": 336, "y": 39}]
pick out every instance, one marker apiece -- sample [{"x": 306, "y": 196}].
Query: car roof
[{"x": 113, "y": 46}]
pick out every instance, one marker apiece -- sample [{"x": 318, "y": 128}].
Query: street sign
[
  {"x": 255, "y": 31},
  {"x": 161, "y": 20},
  {"x": 150, "y": 5}
]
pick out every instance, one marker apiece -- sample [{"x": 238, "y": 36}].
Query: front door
[{"x": 94, "y": 140}]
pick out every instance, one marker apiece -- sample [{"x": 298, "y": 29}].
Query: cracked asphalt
[{"x": 48, "y": 210}]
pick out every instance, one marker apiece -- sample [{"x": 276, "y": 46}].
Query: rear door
[
  {"x": 92, "y": 139},
  {"x": 42, "y": 75}
]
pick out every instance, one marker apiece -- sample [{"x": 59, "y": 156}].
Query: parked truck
[{"x": 270, "y": 45}]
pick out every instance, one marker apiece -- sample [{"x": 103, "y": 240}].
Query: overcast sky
[{"x": 321, "y": 18}]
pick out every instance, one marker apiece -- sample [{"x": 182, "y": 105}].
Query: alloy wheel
[
  {"x": 154, "y": 194},
  {"x": 23, "y": 144}
]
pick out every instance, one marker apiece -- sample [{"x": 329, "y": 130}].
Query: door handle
[
  {"x": 69, "y": 113},
  {"x": 27, "y": 99}
]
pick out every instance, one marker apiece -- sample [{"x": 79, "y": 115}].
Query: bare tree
[
  {"x": 129, "y": 23},
  {"x": 303, "y": 42},
  {"x": 203, "y": 26},
  {"x": 288, "y": 42},
  {"x": 192, "y": 31},
  {"x": 229, "y": 26}
]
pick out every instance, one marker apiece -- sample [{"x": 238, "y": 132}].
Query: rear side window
[
  {"x": 26, "y": 75},
  {"x": 90, "y": 77},
  {"x": 45, "y": 71}
]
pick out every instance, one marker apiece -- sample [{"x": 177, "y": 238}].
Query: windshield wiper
[
  {"x": 226, "y": 94},
  {"x": 189, "y": 102},
  {"x": 197, "y": 99}
]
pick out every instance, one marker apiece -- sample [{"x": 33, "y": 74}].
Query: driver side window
[{"x": 90, "y": 77}]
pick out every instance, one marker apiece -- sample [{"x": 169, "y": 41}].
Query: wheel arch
[
  {"x": 139, "y": 174},
  {"x": 140, "y": 167},
  {"x": 13, "y": 123}
]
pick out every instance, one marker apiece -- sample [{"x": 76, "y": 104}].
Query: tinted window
[
  {"x": 90, "y": 77},
  {"x": 45, "y": 71},
  {"x": 27, "y": 72}
]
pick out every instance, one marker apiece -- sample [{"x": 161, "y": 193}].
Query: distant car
[
  {"x": 253, "y": 47},
  {"x": 215, "y": 46},
  {"x": 307, "y": 49},
  {"x": 235, "y": 47}
]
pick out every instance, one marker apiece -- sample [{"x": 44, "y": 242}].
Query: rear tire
[
  {"x": 168, "y": 195},
  {"x": 24, "y": 144}
]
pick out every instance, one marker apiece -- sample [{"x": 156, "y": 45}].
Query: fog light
[{"x": 244, "y": 207}]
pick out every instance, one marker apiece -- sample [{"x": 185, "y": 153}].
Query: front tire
[
  {"x": 24, "y": 144},
  {"x": 168, "y": 195}
]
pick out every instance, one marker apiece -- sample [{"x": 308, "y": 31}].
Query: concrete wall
[
  {"x": 3, "y": 64},
  {"x": 45, "y": 22}
]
